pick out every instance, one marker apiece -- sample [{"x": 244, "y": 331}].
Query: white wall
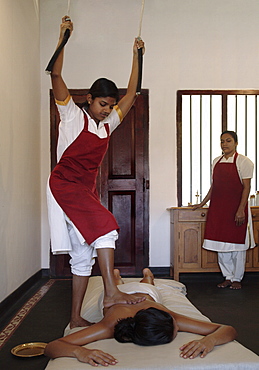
[
  {"x": 20, "y": 218},
  {"x": 190, "y": 44}
]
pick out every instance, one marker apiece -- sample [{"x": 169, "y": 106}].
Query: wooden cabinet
[
  {"x": 252, "y": 255},
  {"x": 187, "y": 233}
]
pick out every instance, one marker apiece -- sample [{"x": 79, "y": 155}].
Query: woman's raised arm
[
  {"x": 128, "y": 100},
  {"x": 59, "y": 87}
]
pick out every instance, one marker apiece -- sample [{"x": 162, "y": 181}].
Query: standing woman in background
[{"x": 227, "y": 230}]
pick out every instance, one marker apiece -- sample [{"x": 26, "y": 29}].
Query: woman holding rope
[{"x": 79, "y": 224}]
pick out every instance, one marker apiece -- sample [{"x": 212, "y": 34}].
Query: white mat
[{"x": 230, "y": 356}]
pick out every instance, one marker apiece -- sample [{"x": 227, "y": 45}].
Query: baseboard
[
  {"x": 11, "y": 303},
  {"x": 160, "y": 271},
  {"x": 45, "y": 273}
]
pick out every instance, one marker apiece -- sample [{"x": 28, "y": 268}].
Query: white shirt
[
  {"x": 245, "y": 166},
  {"x": 71, "y": 125}
]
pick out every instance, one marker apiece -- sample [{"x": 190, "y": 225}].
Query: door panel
[
  {"x": 122, "y": 205},
  {"x": 190, "y": 245},
  {"x": 123, "y": 185}
]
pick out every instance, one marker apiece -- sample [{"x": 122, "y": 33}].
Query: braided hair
[{"x": 148, "y": 327}]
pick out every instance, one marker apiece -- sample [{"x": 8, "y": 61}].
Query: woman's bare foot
[
  {"x": 118, "y": 278},
  {"x": 79, "y": 322},
  {"x": 225, "y": 284},
  {"x": 148, "y": 277},
  {"x": 236, "y": 285},
  {"x": 121, "y": 298}
]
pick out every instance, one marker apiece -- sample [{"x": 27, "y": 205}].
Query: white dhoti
[{"x": 232, "y": 265}]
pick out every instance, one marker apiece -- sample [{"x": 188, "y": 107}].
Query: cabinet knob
[
  {"x": 203, "y": 214},
  {"x": 253, "y": 215}
]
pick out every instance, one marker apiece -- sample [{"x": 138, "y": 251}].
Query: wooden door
[
  {"x": 189, "y": 245},
  {"x": 123, "y": 185},
  {"x": 209, "y": 259},
  {"x": 254, "y": 253}
]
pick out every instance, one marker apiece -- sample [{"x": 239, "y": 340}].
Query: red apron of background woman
[
  {"x": 221, "y": 233},
  {"x": 225, "y": 199}
]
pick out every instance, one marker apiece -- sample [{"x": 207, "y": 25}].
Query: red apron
[
  {"x": 73, "y": 185},
  {"x": 225, "y": 199}
]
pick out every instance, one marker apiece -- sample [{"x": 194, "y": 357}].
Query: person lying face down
[
  {"x": 146, "y": 323},
  {"x": 148, "y": 327}
]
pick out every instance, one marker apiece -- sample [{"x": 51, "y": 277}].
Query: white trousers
[
  {"x": 83, "y": 255},
  {"x": 232, "y": 264}
]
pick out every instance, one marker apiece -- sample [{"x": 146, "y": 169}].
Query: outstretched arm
[
  {"x": 128, "y": 100},
  {"x": 60, "y": 348},
  {"x": 71, "y": 345},
  {"x": 59, "y": 87},
  {"x": 214, "y": 335}
]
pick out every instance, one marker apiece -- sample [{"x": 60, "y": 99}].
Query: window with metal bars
[{"x": 202, "y": 115}]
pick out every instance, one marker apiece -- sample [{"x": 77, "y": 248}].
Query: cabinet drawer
[
  {"x": 190, "y": 215},
  {"x": 255, "y": 213}
]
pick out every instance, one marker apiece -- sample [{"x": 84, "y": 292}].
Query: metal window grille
[{"x": 201, "y": 117}]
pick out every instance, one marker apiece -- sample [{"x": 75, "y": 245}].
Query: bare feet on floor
[
  {"x": 80, "y": 322},
  {"x": 225, "y": 284},
  {"x": 236, "y": 285}
]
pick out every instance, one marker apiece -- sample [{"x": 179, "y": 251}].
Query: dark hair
[
  {"x": 232, "y": 133},
  {"x": 148, "y": 327},
  {"x": 103, "y": 88}
]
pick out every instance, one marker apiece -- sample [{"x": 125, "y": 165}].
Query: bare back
[{"x": 122, "y": 311}]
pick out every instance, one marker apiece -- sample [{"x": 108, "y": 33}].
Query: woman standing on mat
[
  {"x": 227, "y": 229},
  {"x": 79, "y": 224}
]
